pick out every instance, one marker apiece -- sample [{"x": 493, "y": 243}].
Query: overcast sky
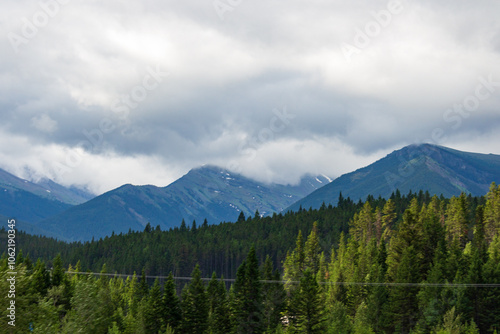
[{"x": 102, "y": 93}]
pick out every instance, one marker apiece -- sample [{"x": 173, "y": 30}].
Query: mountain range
[
  {"x": 218, "y": 195},
  {"x": 33, "y": 202},
  {"x": 207, "y": 192},
  {"x": 437, "y": 169}
]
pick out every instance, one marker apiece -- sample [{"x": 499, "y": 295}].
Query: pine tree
[
  {"x": 219, "y": 322},
  {"x": 309, "y": 308},
  {"x": 273, "y": 296},
  {"x": 152, "y": 309},
  {"x": 361, "y": 321},
  {"x": 247, "y": 296},
  {"x": 294, "y": 263},
  {"x": 171, "y": 304},
  {"x": 492, "y": 212},
  {"x": 388, "y": 218},
  {"x": 430, "y": 298},
  {"x": 312, "y": 250},
  {"x": 432, "y": 234},
  {"x": 338, "y": 321},
  {"x": 377, "y": 301},
  {"x": 409, "y": 234},
  {"x": 194, "y": 305},
  {"x": 363, "y": 223},
  {"x": 58, "y": 271},
  {"x": 91, "y": 308},
  {"x": 479, "y": 240},
  {"x": 403, "y": 299},
  {"x": 457, "y": 223},
  {"x": 143, "y": 288},
  {"x": 490, "y": 318},
  {"x": 132, "y": 297},
  {"x": 41, "y": 278}
]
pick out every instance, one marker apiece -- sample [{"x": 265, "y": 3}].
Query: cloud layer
[{"x": 100, "y": 94}]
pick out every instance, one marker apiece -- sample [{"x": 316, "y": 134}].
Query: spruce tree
[
  {"x": 403, "y": 298},
  {"x": 309, "y": 308},
  {"x": 152, "y": 309},
  {"x": 492, "y": 212},
  {"x": 248, "y": 297},
  {"x": 41, "y": 278},
  {"x": 219, "y": 322},
  {"x": 171, "y": 304},
  {"x": 194, "y": 305},
  {"x": 58, "y": 274},
  {"x": 457, "y": 220},
  {"x": 273, "y": 296},
  {"x": 312, "y": 250}
]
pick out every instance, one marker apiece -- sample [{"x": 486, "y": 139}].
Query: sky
[{"x": 102, "y": 93}]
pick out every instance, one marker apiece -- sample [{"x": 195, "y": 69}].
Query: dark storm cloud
[{"x": 357, "y": 80}]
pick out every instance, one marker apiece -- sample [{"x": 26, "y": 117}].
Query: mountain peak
[
  {"x": 206, "y": 192},
  {"x": 427, "y": 167}
]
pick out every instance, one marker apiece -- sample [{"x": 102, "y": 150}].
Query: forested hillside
[
  {"x": 207, "y": 192},
  {"x": 410, "y": 264},
  {"x": 219, "y": 248}
]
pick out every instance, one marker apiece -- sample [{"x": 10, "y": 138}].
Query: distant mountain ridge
[
  {"x": 206, "y": 192},
  {"x": 32, "y": 202},
  {"x": 433, "y": 168}
]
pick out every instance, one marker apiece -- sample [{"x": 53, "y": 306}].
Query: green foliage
[
  {"x": 41, "y": 278},
  {"x": 172, "y": 313},
  {"x": 274, "y": 297},
  {"x": 338, "y": 321},
  {"x": 309, "y": 309},
  {"x": 91, "y": 308},
  {"x": 194, "y": 305},
  {"x": 247, "y": 302},
  {"x": 361, "y": 321},
  {"x": 218, "y": 307},
  {"x": 492, "y": 212},
  {"x": 153, "y": 309},
  {"x": 457, "y": 220},
  {"x": 413, "y": 270}
]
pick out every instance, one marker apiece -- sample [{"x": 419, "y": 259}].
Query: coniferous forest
[{"x": 409, "y": 264}]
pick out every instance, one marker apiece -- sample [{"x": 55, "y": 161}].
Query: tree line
[
  {"x": 220, "y": 248},
  {"x": 411, "y": 264}
]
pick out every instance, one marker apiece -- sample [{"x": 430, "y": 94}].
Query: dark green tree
[
  {"x": 152, "y": 309},
  {"x": 171, "y": 304},
  {"x": 58, "y": 274},
  {"x": 247, "y": 304},
  {"x": 219, "y": 322},
  {"x": 403, "y": 298},
  {"x": 194, "y": 305},
  {"x": 41, "y": 278},
  {"x": 274, "y": 295},
  {"x": 309, "y": 307}
]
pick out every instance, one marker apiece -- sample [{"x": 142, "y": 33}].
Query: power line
[{"x": 436, "y": 285}]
